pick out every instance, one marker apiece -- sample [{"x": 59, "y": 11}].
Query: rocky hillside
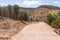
[
  {"x": 45, "y": 9},
  {"x": 40, "y": 11},
  {"x": 33, "y": 13}
]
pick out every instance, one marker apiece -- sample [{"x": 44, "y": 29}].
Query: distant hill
[
  {"x": 49, "y": 7},
  {"x": 34, "y": 13}
]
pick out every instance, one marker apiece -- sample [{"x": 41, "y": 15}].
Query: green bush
[
  {"x": 24, "y": 16},
  {"x": 58, "y": 13},
  {"x": 50, "y": 18},
  {"x": 56, "y": 24}
]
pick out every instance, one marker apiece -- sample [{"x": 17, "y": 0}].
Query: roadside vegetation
[
  {"x": 11, "y": 18},
  {"x": 13, "y": 12},
  {"x": 53, "y": 20}
]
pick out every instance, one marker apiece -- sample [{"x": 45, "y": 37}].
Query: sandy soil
[
  {"x": 37, "y": 31},
  {"x": 14, "y": 28}
]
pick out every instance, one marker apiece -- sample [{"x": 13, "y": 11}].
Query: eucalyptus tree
[
  {"x": 16, "y": 11},
  {"x": 10, "y": 10},
  {"x": 0, "y": 11}
]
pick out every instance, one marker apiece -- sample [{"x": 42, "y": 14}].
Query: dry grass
[{"x": 9, "y": 28}]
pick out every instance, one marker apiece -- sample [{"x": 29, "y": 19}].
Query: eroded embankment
[{"x": 9, "y": 28}]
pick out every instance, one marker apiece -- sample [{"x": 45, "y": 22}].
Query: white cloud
[
  {"x": 17, "y": 3},
  {"x": 56, "y": 2},
  {"x": 3, "y": 4},
  {"x": 31, "y": 3}
]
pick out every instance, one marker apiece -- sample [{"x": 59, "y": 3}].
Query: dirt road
[{"x": 37, "y": 31}]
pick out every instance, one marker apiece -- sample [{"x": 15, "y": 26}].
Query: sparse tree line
[{"x": 13, "y": 12}]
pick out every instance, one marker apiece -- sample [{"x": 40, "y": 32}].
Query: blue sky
[{"x": 30, "y": 3}]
